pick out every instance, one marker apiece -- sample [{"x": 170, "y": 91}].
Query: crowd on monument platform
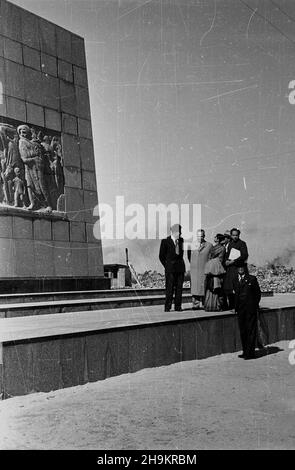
[{"x": 220, "y": 280}]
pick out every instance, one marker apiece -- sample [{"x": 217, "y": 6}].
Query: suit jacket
[
  {"x": 247, "y": 294},
  {"x": 226, "y": 247},
  {"x": 172, "y": 262},
  {"x": 238, "y": 245}
]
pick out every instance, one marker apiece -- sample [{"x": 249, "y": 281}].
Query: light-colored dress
[
  {"x": 198, "y": 258},
  {"x": 214, "y": 271}
]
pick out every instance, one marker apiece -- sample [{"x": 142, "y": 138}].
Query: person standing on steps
[
  {"x": 247, "y": 298},
  {"x": 171, "y": 257},
  {"x": 198, "y": 256},
  {"x": 236, "y": 255}
]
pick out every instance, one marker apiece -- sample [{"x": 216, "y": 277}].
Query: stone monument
[{"x": 47, "y": 173}]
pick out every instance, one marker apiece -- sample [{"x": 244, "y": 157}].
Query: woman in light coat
[{"x": 198, "y": 256}]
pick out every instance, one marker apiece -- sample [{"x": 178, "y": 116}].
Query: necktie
[{"x": 177, "y": 246}]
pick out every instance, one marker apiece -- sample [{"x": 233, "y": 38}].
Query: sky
[{"x": 190, "y": 104}]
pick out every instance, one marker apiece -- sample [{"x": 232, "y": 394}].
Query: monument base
[
  {"x": 53, "y": 284},
  {"x": 41, "y": 252}
]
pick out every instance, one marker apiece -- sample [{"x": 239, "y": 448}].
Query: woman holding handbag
[{"x": 214, "y": 273}]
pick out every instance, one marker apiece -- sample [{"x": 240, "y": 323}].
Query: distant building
[{"x": 119, "y": 274}]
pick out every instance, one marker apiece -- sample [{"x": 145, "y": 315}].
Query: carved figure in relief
[
  {"x": 57, "y": 165},
  {"x": 32, "y": 154},
  {"x": 31, "y": 169},
  {"x": 10, "y": 159},
  {"x": 19, "y": 189}
]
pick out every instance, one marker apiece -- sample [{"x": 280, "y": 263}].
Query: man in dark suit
[
  {"x": 171, "y": 257},
  {"x": 239, "y": 247},
  {"x": 247, "y": 298},
  {"x": 227, "y": 240}
]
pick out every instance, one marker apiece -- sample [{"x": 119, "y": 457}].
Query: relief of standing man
[{"x": 32, "y": 155}]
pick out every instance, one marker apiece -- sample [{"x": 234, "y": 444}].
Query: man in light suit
[{"x": 171, "y": 257}]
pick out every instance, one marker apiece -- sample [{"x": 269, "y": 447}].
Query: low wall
[
  {"x": 54, "y": 284},
  {"x": 54, "y": 362}
]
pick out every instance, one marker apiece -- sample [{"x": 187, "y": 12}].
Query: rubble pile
[
  {"x": 279, "y": 279},
  {"x": 153, "y": 279}
]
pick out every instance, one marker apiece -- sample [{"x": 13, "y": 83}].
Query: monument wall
[{"x": 43, "y": 84}]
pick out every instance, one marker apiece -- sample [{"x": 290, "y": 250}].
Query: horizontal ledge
[
  {"x": 62, "y": 324},
  {"x": 112, "y": 292},
  {"x": 51, "y": 278},
  {"x": 136, "y": 291},
  {"x": 69, "y": 302},
  {"x": 19, "y": 212}
]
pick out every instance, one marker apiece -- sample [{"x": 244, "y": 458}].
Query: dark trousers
[
  {"x": 248, "y": 331},
  {"x": 230, "y": 301},
  {"x": 174, "y": 282}
]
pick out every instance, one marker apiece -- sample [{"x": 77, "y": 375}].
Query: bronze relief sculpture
[{"x": 31, "y": 168}]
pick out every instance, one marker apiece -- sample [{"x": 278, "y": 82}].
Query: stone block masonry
[{"x": 44, "y": 86}]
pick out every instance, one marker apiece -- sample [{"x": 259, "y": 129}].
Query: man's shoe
[
  {"x": 178, "y": 310},
  {"x": 241, "y": 355},
  {"x": 251, "y": 356},
  {"x": 167, "y": 310}
]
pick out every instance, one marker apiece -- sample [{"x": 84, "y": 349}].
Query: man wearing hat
[
  {"x": 171, "y": 257},
  {"x": 247, "y": 298}
]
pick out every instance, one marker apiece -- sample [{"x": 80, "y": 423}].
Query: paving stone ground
[{"x": 222, "y": 402}]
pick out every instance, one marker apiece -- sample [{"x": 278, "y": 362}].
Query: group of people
[
  {"x": 213, "y": 269},
  {"x": 219, "y": 279},
  {"x": 31, "y": 168}
]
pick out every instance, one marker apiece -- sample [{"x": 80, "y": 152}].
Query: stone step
[
  {"x": 89, "y": 294},
  {"x": 52, "y": 306},
  {"x": 73, "y": 305},
  {"x": 81, "y": 294},
  {"x": 58, "y": 351}
]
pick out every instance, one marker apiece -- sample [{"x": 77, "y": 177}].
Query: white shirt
[{"x": 174, "y": 239}]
